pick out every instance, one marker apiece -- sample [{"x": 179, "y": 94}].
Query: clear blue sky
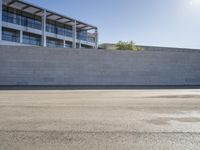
[{"x": 174, "y": 23}]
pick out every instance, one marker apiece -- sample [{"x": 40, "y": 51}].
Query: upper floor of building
[{"x": 45, "y": 23}]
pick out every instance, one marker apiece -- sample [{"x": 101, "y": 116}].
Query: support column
[
  {"x": 96, "y": 38},
  {"x": 1, "y": 10},
  {"x": 64, "y": 44},
  {"x": 21, "y": 36},
  {"x": 44, "y": 37},
  {"x": 74, "y": 35}
]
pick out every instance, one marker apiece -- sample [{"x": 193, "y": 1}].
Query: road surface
[{"x": 100, "y": 119}]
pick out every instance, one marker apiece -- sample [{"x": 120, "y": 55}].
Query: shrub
[{"x": 128, "y": 46}]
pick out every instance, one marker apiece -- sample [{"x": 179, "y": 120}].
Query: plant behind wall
[{"x": 128, "y": 46}]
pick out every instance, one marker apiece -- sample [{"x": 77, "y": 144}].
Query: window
[
  {"x": 85, "y": 36},
  {"x": 82, "y": 35},
  {"x": 58, "y": 28},
  {"x": 15, "y": 16},
  {"x": 32, "y": 39},
  {"x": 55, "y": 43},
  {"x": 8, "y": 17},
  {"x": 10, "y": 35},
  {"x": 68, "y": 44}
]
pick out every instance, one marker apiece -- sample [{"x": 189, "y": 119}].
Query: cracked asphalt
[{"x": 167, "y": 119}]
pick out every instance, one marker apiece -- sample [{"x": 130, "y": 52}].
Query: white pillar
[
  {"x": 96, "y": 38},
  {"x": 21, "y": 36},
  {"x": 1, "y": 10},
  {"x": 44, "y": 37},
  {"x": 64, "y": 44},
  {"x": 74, "y": 34}
]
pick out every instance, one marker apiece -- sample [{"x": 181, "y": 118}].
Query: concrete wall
[{"x": 46, "y": 66}]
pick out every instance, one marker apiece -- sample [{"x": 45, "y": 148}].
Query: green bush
[{"x": 128, "y": 46}]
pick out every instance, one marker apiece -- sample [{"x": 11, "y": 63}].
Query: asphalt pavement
[{"x": 167, "y": 119}]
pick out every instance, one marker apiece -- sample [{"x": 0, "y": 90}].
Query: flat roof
[{"x": 37, "y": 10}]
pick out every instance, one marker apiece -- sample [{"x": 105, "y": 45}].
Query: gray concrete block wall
[{"x": 47, "y": 66}]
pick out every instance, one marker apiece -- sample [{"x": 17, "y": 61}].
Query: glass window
[
  {"x": 15, "y": 16},
  {"x": 10, "y": 35},
  {"x": 54, "y": 43},
  {"x": 68, "y": 44},
  {"x": 58, "y": 28},
  {"x": 82, "y": 35},
  {"x": 32, "y": 39}
]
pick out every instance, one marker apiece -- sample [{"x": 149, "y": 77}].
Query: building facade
[{"x": 23, "y": 23}]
